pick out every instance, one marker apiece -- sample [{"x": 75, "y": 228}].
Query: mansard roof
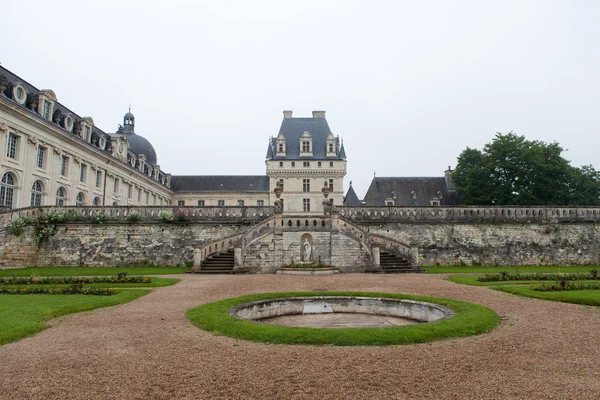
[
  {"x": 139, "y": 146},
  {"x": 351, "y": 199},
  {"x": 293, "y": 128},
  {"x": 220, "y": 183},
  {"x": 417, "y": 191}
]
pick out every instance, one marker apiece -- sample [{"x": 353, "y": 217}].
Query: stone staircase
[
  {"x": 218, "y": 263},
  {"x": 395, "y": 264}
]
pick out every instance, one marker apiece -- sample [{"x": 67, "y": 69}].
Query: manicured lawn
[
  {"x": 25, "y": 315},
  {"x": 587, "y": 297},
  {"x": 512, "y": 269},
  {"x": 156, "y": 282},
  {"x": 470, "y": 319},
  {"x": 91, "y": 271}
]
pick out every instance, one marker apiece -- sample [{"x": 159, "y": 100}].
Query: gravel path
[{"x": 148, "y": 350}]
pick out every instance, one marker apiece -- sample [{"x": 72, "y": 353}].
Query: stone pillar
[
  {"x": 237, "y": 258},
  {"x": 376, "y": 251},
  {"x": 415, "y": 255},
  {"x": 335, "y": 220},
  {"x": 197, "y": 260}
]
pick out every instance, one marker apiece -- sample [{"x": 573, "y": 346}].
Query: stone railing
[
  {"x": 292, "y": 223},
  {"x": 471, "y": 214},
  {"x": 349, "y": 228},
  {"x": 230, "y": 215},
  {"x": 394, "y": 247},
  {"x": 215, "y": 246}
]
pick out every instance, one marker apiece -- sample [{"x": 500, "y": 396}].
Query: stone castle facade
[{"x": 50, "y": 155}]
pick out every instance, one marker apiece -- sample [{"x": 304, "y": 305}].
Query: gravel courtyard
[{"x": 147, "y": 349}]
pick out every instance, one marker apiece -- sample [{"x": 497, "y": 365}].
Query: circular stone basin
[{"x": 341, "y": 311}]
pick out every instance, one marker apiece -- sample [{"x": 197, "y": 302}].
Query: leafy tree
[{"x": 512, "y": 170}]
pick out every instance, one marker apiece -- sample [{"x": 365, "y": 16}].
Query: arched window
[
  {"x": 7, "y": 190},
  {"x": 96, "y": 201},
  {"x": 61, "y": 196},
  {"x": 80, "y": 200},
  {"x": 37, "y": 190}
]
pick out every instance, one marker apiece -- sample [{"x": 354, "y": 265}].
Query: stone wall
[
  {"x": 111, "y": 244},
  {"x": 443, "y": 236},
  {"x": 499, "y": 244},
  {"x": 117, "y": 241}
]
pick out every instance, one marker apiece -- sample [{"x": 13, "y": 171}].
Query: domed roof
[{"x": 140, "y": 145}]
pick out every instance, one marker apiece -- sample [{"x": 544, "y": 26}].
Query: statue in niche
[{"x": 306, "y": 250}]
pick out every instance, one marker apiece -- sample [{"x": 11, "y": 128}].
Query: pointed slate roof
[
  {"x": 293, "y": 128},
  {"x": 343, "y": 154},
  {"x": 401, "y": 189},
  {"x": 269, "y": 152},
  {"x": 351, "y": 199}
]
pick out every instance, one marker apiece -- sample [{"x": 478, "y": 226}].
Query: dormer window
[
  {"x": 306, "y": 147},
  {"x": 87, "y": 132},
  {"x": 47, "y": 98},
  {"x": 331, "y": 145},
  {"x": 47, "y": 111},
  {"x": 280, "y": 149}
]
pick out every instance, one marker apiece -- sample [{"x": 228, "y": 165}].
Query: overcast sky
[{"x": 408, "y": 85}]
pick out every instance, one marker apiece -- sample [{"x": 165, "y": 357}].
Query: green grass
[
  {"x": 512, "y": 269},
  {"x": 91, "y": 271},
  {"x": 156, "y": 282},
  {"x": 470, "y": 319},
  {"x": 24, "y": 315},
  {"x": 586, "y": 297}
]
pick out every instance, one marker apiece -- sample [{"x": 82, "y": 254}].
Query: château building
[{"x": 50, "y": 155}]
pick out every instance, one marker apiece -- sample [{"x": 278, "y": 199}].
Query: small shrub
[
  {"x": 188, "y": 264},
  {"x": 121, "y": 275},
  {"x": 594, "y": 273},
  {"x": 182, "y": 216},
  {"x": 57, "y": 216},
  {"x": 134, "y": 217},
  {"x": 42, "y": 232},
  {"x": 100, "y": 218},
  {"x": 165, "y": 216},
  {"x": 21, "y": 222}
]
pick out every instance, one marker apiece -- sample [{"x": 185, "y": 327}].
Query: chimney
[
  {"x": 287, "y": 114},
  {"x": 448, "y": 178},
  {"x": 318, "y": 114}
]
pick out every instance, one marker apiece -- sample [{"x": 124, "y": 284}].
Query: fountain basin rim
[{"x": 422, "y": 311}]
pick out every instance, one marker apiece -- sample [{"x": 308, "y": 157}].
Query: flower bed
[
  {"x": 505, "y": 276},
  {"x": 565, "y": 286},
  {"x": 72, "y": 289},
  {"x": 119, "y": 278}
]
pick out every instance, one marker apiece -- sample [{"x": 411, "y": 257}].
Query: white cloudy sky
[{"x": 407, "y": 84}]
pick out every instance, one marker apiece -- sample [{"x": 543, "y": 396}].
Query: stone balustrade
[
  {"x": 471, "y": 214},
  {"x": 234, "y": 215}
]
